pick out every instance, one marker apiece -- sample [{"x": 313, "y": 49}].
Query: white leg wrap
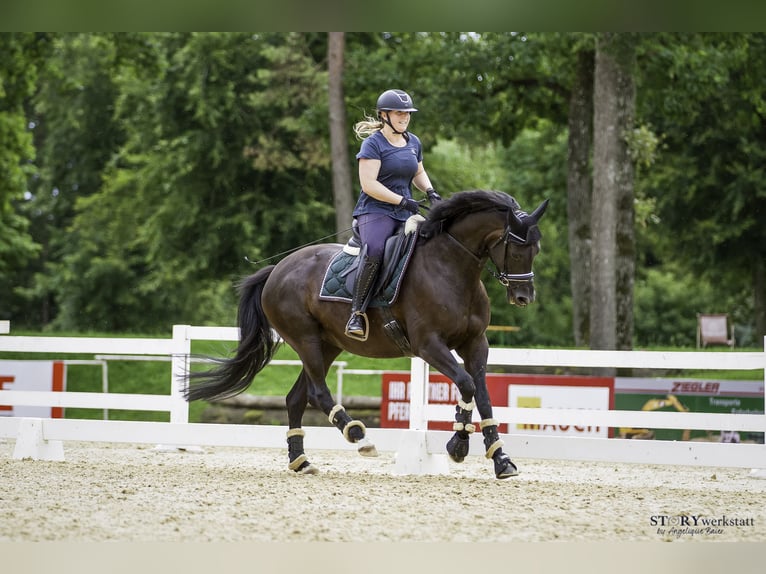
[
  {"x": 466, "y": 406},
  {"x": 297, "y": 462},
  {"x": 469, "y": 427},
  {"x": 353, "y": 424},
  {"x": 295, "y": 432},
  {"x": 493, "y": 447},
  {"x": 334, "y": 412},
  {"x": 488, "y": 423}
]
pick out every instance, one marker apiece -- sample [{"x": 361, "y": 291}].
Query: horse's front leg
[
  {"x": 439, "y": 356},
  {"x": 476, "y": 364},
  {"x": 493, "y": 444}
]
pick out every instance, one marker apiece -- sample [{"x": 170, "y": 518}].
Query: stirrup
[{"x": 365, "y": 330}]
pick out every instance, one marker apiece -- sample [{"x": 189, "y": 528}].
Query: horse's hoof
[
  {"x": 301, "y": 465},
  {"x": 366, "y": 448},
  {"x": 504, "y": 468},
  {"x": 308, "y": 469},
  {"x": 457, "y": 448}
]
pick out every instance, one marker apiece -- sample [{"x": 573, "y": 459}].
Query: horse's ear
[{"x": 538, "y": 213}]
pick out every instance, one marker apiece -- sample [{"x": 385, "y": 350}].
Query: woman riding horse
[
  {"x": 390, "y": 161},
  {"x": 442, "y": 306}
]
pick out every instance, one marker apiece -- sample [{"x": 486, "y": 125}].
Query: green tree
[
  {"x": 225, "y": 155},
  {"x": 17, "y": 82},
  {"x": 704, "y": 96},
  {"x": 75, "y": 135},
  {"x": 163, "y": 159}
]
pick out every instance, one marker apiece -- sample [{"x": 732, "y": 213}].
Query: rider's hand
[
  {"x": 432, "y": 195},
  {"x": 409, "y": 204}
]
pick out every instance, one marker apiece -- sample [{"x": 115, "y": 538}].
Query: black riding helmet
[
  {"x": 394, "y": 100},
  {"x": 398, "y": 100}
]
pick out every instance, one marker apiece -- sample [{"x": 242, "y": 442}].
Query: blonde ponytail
[{"x": 367, "y": 127}]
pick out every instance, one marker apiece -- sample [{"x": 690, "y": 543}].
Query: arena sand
[{"x": 137, "y": 493}]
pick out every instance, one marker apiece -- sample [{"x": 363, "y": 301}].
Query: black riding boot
[{"x": 356, "y": 327}]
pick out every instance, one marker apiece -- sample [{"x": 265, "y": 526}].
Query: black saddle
[{"x": 338, "y": 283}]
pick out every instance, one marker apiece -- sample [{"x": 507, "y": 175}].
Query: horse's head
[{"x": 513, "y": 254}]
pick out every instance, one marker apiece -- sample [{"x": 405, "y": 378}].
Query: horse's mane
[{"x": 444, "y": 213}]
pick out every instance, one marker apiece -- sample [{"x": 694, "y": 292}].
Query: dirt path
[{"x": 136, "y": 493}]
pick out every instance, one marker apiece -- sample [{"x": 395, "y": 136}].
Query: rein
[{"x": 289, "y": 251}]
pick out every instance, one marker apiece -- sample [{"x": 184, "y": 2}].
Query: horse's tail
[{"x": 257, "y": 345}]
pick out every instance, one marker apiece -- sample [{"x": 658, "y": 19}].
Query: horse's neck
[{"x": 461, "y": 252}]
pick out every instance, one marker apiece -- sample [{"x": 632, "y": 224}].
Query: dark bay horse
[{"x": 442, "y": 306}]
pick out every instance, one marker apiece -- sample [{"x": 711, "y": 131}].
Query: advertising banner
[
  {"x": 534, "y": 391},
  {"x": 688, "y": 395}
]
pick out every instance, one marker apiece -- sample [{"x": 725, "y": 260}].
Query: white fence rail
[{"x": 419, "y": 449}]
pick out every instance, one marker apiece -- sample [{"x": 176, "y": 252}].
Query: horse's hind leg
[
  {"x": 319, "y": 396},
  {"x": 296, "y": 402},
  {"x": 353, "y": 430}
]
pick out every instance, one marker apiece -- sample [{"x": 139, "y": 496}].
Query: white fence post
[
  {"x": 418, "y": 394},
  {"x": 179, "y": 368},
  {"x": 31, "y": 443},
  {"x": 412, "y": 456}
]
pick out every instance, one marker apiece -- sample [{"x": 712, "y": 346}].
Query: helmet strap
[{"x": 385, "y": 120}]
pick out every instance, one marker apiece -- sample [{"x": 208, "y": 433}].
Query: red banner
[{"x": 538, "y": 391}]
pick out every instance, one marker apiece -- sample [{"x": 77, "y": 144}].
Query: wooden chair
[{"x": 714, "y": 329}]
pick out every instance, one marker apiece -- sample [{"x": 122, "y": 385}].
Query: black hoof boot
[
  {"x": 353, "y": 431},
  {"x": 299, "y": 463},
  {"x": 457, "y": 447},
  {"x": 459, "y": 444},
  {"x": 504, "y": 467}
]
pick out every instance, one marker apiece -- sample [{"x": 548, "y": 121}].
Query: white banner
[
  {"x": 31, "y": 376},
  {"x": 561, "y": 397}
]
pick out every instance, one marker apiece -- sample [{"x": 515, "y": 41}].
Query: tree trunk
[
  {"x": 343, "y": 197},
  {"x": 626, "y": 233},
  {"x": 579, "y": 195},
  {"x": 612, "y": 260}
]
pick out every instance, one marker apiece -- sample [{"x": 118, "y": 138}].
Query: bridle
[{"x": 506, "y": 279}]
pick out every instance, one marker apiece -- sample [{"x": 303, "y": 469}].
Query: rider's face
[{"x": 400, "y": 120}]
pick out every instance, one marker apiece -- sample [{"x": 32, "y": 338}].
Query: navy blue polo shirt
[{"x": 398, "y": 165}]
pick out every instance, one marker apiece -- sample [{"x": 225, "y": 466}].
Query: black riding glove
[
  {"x": 432, "y": 195},
  {"x": 409, "y": 204}
]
